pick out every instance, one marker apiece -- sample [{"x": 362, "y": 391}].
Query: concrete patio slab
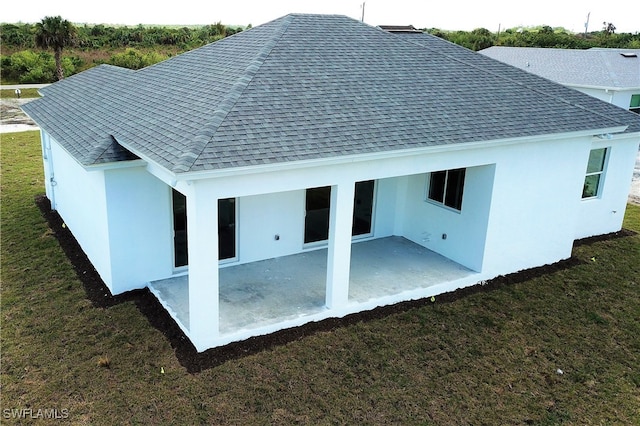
[{"x": 267, "y": 292}]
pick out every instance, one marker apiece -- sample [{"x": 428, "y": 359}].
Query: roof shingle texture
[
  {"x": 606, "y": 68},
  {"x": 307, "y": 87}
]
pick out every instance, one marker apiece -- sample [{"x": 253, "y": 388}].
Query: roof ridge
[
  {"x": 195, "y": 148},
  {"x": 611, "y": 69},
  {"x": 512, "y": 80}
]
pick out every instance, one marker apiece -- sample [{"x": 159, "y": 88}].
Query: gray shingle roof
[
  {"x": 307, "y": 87},
  {"x": 606, "y": 68}
]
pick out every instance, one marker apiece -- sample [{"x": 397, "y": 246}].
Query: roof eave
[
  {"x": 612, "y": 88},
  {"x": 349, "y": 159},
  {"x": 123, "y": 164}
]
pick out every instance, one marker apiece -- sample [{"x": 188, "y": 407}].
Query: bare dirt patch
[
  {"x": 634, "y": 195},
  {"x": 12, "y": 118}
]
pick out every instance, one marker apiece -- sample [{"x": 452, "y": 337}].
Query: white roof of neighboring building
[{"x": 602, "y": 68}]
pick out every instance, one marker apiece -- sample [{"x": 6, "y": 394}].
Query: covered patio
[{"x": 259, "y": 294}]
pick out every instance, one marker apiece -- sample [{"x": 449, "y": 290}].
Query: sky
[{"x": 463, "y": 15}]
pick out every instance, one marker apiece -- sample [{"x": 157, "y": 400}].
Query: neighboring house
[
  {"x": 400, "y": 28},
  {"x": 612, "y": 75},
  {"x": 316, "y": 166}
]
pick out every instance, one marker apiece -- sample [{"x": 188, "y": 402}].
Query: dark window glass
[
  {"x": 596, "y": 160},
  {"x": 436, "y": 185},
  {"x": 595, "y": 171},
  {"x": 226, "y": 228},
  {"x": 318, "y": 205},
  {"x": 362, "y": 208},
  {"x": 179, "y": 229},
  {"x": 447, "y": 187},
  {"x": 455, "y": 186},
  {"x": 590, "y": 188},
  {"x": 316, "y": 221}
]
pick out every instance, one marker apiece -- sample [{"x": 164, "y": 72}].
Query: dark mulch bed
[{"x": 99, "y": 295}]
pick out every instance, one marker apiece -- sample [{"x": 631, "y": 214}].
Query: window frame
[
  {"x": 363, "y": 236},
  {"x": 174, "y": 263},
  {"x": 185, "y": 267},
  {"x": 374, "y": 191},
  {"x": 444, "y": 192},
  {"x": 236, "y": 239},
  {"x": 634, "y": 103},
  {"x": 599, "y": 173}
]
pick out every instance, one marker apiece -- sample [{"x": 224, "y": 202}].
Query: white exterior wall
[
  {"x": 458, "y": 235},
  {"x": 261, "y": 217},
  {"x": 47, "y": 160},
  {"x": 621, "y": 98},
  {"x": 520, "y": 210},
  {"x": 120, "y": 217},
  {"x": 386, "y": 206},
  {"x": 536, "y": 195},
  {"x": 605, "y": 213},
  {"x": 520, "y": 206},
  {"x": 80, "y": 200},
  {"x": 140, "y": 228}
]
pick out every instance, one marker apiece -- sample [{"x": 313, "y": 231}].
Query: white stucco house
[
  {"x": 316, "y": 166},
  {"x": 612, "y": 75}
]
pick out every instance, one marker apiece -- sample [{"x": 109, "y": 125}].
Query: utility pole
[
  {"x": 586, "y": 25},
  {"x": 362, "y": 6}
]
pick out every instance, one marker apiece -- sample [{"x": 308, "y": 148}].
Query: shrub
[
  {"x": 28, "y": 66},
  {"x": 135, "y": 59}
]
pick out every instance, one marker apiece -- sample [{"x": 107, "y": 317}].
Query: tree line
[
  {"x": 22, "y": 36},
  {"x": 542, "y": 36},
  {"x": 26, "y": 57}
]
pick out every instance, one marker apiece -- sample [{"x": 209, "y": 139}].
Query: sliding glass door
[
  {"x": 318, "y": 205},
  {"x": 226, "y": 229}
]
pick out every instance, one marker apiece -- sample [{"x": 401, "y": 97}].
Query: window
[
  {"x": 179, "y": 229},
  {"x": 316, "y": 220},
  {"x": 595, "y": 172},
  {"x": 446, "y": 187},
  {"x": 317, "y": 208},
  {"x": 363, "y": 208},
  {"x": 226, "y": 229},
  {"x": 635, "y": 104}
]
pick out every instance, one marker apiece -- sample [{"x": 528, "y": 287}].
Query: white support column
[
  {"x": 202, "y": 237},
  {"x": 339, "y": 253}
]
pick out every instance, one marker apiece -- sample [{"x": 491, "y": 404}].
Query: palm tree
[{"x": 55, "y": 33}]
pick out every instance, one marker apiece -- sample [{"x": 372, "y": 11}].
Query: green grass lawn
[
  {"x": 487, "y": 358},
  {"x": 24, "y": 93}
]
